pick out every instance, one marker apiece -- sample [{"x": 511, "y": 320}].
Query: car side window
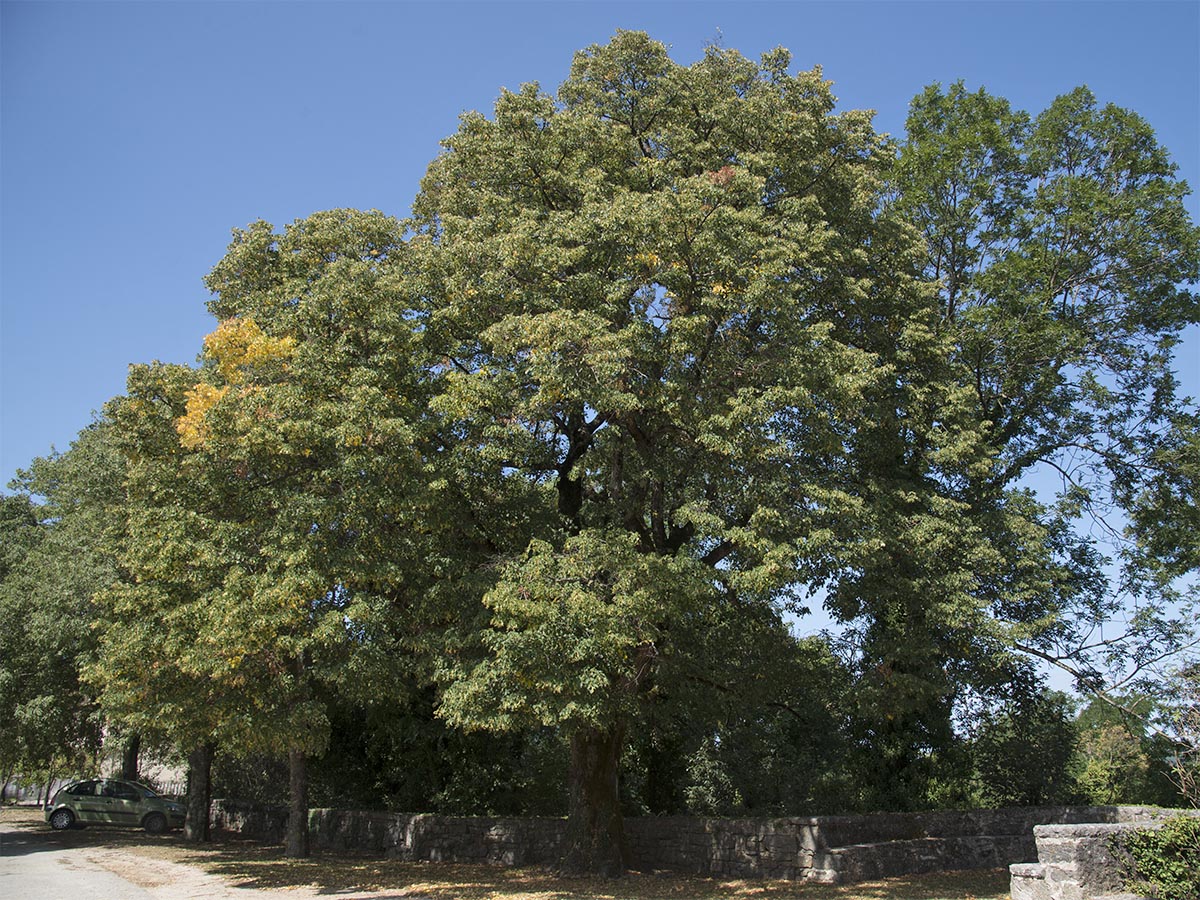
[
  {"x": 121, "y": 791},
  {"x": 83, "y": 789}
]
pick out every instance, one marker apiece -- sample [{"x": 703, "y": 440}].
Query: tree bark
[
  {"x": 197, "y": 826},
  {"x": 296, "y": 846},
  {"x": 595, "y": 828},
  {"x": 129, "y": 757}
]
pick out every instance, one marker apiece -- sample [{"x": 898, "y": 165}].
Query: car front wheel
[
  {"x": 155, "y": 823},
  {"x": 61, "y": 819}
]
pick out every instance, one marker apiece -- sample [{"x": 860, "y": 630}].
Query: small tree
[
  {"x": 296, "y": 468},
  {"x": 1186, "y": 729}
]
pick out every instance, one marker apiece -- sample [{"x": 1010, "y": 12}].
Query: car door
[
  {"x": 123, "y": 803},
  {"x": 84, "y": 802}
]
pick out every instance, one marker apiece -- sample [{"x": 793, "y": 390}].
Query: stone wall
[
  {"x": 847, "y": 849},
  {"x": 1077, "y": 862},
  {"x": 829, "y": 849},
  {"x": 477, "y": 839},
  {"x": 260, "y": 821}
]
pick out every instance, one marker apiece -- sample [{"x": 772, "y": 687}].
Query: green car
[{"x": 106, "y": 801}]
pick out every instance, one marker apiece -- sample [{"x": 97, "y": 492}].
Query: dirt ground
[{"x": 167, "y": 868}]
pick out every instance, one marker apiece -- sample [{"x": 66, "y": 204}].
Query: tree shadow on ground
[
  {"x": 23, "y": 830},
  {"x": 339, "y": 874}
]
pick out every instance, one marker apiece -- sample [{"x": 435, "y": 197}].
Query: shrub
[{"x": 1165, "y": 863}]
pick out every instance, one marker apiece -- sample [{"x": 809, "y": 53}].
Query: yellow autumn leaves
[
  {"x": 237, "y": 345},
  {"x": 191, "y": 426}
]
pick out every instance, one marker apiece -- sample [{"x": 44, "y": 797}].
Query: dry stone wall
[
  {"x": 829, "y": 849},
  {"x": 1078, "y": 862}
]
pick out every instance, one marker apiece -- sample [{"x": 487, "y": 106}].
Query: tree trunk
[
  {"x": 129, "y": 757},
  {"x": 297, "y": 828},
  {"x": 595, "y": 828},
  {"x": 196, "y": 826}
]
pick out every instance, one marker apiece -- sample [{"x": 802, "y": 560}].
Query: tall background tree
[
  {"x": 62, "y": 530},
  {"x": 1064, "y": 261}
]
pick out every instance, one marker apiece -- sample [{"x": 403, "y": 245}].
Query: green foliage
[
  {"x": 262, "y": 779},
  {"x": 399, "y": 756},
  {"x": 565, "y": 627},
  {"x": 752, "y": 721},
  {"x": 1164, "y": 863},
  {"x": 709, "y": 790},
  {"x": 1023, "y": 751},
  {"x": 60, "y": 537},
  {"x": 1121, "y": 759}
]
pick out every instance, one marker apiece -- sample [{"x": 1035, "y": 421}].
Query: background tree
[
  {"x": 1185, "y": 725},
  {"x": 1124, "y": 756},
  {"x": 1023, "y": 749},
  {"x": 1063, "y": 257},
  {"x": 61, "y": 533}
]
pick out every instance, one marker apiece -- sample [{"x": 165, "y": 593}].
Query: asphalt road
[
  {"x": 103, "y": 863},
  {"x": 40, "y": 865}
]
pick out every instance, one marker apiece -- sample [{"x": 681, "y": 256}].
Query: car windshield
[{"x": 146, "y": 792}]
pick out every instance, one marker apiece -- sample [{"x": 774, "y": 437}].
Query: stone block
[
  {"x": 780, "y": 844},
  {"x": 1028, "y": 882}
]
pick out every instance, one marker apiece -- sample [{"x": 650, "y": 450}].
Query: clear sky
[{"x": 134, "y": 136}]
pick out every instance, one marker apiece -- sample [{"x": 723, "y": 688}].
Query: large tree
[{"x": 659, "y": 302}]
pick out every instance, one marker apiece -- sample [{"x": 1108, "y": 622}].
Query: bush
[{"x": 1165, "y": 863}]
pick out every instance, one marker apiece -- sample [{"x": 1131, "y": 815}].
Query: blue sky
[{"x": 134, "y": 136}]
